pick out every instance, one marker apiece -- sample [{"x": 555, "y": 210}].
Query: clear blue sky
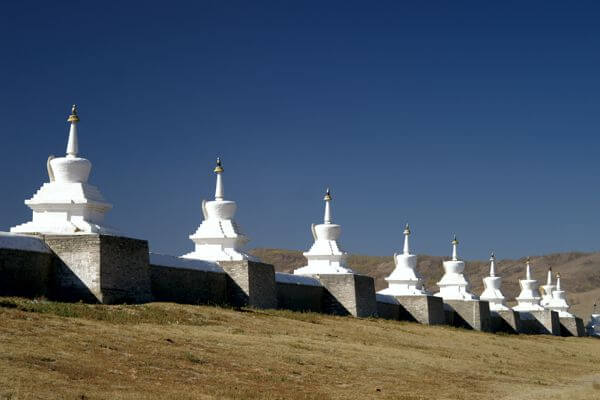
[{"x": 468, "y": 117}]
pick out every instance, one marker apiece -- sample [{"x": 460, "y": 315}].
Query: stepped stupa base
[
  {"x": 424, "y": 309},
  {"x": 469, "y": 314},
  {"x": 571, "y": 326},
  {"x": 100, "y": 269},
  {"x": 542, "y": 322},
  {"x": 250, "y": 284},
  {"x": 348, "y": 294},
  {"x": 507, "y": 321}
]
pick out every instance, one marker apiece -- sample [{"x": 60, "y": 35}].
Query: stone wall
[
  {"x": 423, "y": 309},
  {"x": 348, "y": 294},
  {"x": 299, "y": 293},
  {"x": 250, "y": 283},
  {"x": 387, "y": 307},
  {"x": 470, "y": 314},
  {"x": 188, "y": 286},
  {"x": 25, "y": 273},
  {"x": 100, "y": 268}
]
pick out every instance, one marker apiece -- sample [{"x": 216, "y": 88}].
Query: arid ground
[{"x": 77, "y": 351}]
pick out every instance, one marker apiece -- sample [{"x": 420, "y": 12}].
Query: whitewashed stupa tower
[
  {"x": 559, "y": 301},
  {"x": 453, "y": 285},
  {"x": 219, "y": 237},
  {"x": 67, "y": 204},
  {"x": 405, "y": 280},
  {"x": 528, "y": 299},
  {"x": 547, "y": 290},
  {"x": 325, "y": 256},
  {"x": 492, "y": 292}
]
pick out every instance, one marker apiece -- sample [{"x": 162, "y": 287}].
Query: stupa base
[
  {"x": 470, "y": 314},
  {"x": 507, "y": 321},
  {"x": 100, "y": 269},
  {"x": 348, "y": 294},
  {"x": 571, "y": 326},
  {"x": 542, "y": 322},
  {"x": 250, "y": 284},
  {"x": 424, "y": 309}
]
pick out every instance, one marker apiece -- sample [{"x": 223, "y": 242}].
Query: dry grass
[{"x": 78, "y": 351}]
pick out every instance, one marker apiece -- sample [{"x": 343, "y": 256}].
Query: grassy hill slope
[
  {"x": 79, "y": 351},
  {"x": 580, "y": 272}
]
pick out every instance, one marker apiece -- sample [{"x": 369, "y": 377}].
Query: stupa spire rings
[
  {"x": 73, "y": 143},
  {"x": 528, "y": 269},
  {"x": 219, "y": 191},
  {"x": 455, "y": 249},
  {"x": 492, "y": 264},
  {"x": 406, "y": 249},
  {"x": 327, "y": 216}
]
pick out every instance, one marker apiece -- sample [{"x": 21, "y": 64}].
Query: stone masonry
[
  {"x": 100, "y": 268},
  {"x": 348, "y": 294},
  {"x": 424, "y": 309},
  {"x": 188, "y": 286},
  {"x": 250, "y": 283},
  {"x": 470, "y": 314},
  {"x": 571, "y": 326},
  {"x": 25, "y": 273},
  {"x": 507, "y": 321},
  {"x": 543, "y": 322}
]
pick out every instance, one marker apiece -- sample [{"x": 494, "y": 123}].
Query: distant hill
[{"x": 580, "y": 272}]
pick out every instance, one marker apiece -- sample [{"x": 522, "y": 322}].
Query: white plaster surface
[
  {"x": 384, "y": 298},
  {"x": 296, "y": 279},
  {"x": 325, "y": 256},
  {"x": 454, "y": 285},
  {"x": 164, "y": 260},
  {"x": 559, "y": 301},
  {"x": 219, "y": 238},
  {"x": 404, "y": 279},
  {"x": 67, "y": 204},
  {"x": 22, "y": 242},
  {"x": 492, "y": 292},
  {"x": 528, "y": 299}
]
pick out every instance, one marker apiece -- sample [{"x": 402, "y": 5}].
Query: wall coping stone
[
  {"x": 164, "y": 260},
  {"x": 15, "y": 241},
  {"x": 281, "y": 277}
]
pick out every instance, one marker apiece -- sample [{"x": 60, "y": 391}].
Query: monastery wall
[{"x": 26, "y": 272}]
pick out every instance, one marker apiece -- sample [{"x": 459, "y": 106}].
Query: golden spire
[
  {"x": 407, "y": 230},
  {"x": 327, "y": 195},
  {"x": 219, "y": 167},
  {"x": 73, "y": 117},
  {"x": 558, "y": 275},
  {"x": 455, "y": 240}
]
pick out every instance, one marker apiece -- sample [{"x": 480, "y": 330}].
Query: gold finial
[
  {"x": 327, "y": 195},
  {"x": 528, "y": 260},
  {"x": 455, "y": 240},
  {"x": 492, "y": 255},
  {"x": 73, "y": 117},
  {"x": 407, "y": 229},
  {"x": 558, "y": 275},
  {"x": 219, "y": 167}
]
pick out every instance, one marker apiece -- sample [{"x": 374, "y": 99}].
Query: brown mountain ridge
[{"x": 580, "y": 272}]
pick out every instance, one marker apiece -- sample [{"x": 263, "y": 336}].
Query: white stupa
[
  {"x": 325, "y": 256},
  {"x": 492, "y": 293},
  {"x": 559, "y": 301},
  {"x": 453, "y": 285},
  {"x": 547, "y": 290},
  {"x": 404, "y": 280},
  {"x": 67, "y": 204},
  {"x": 528, "y": 299},
  {"x": 218, "y": 237}
]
